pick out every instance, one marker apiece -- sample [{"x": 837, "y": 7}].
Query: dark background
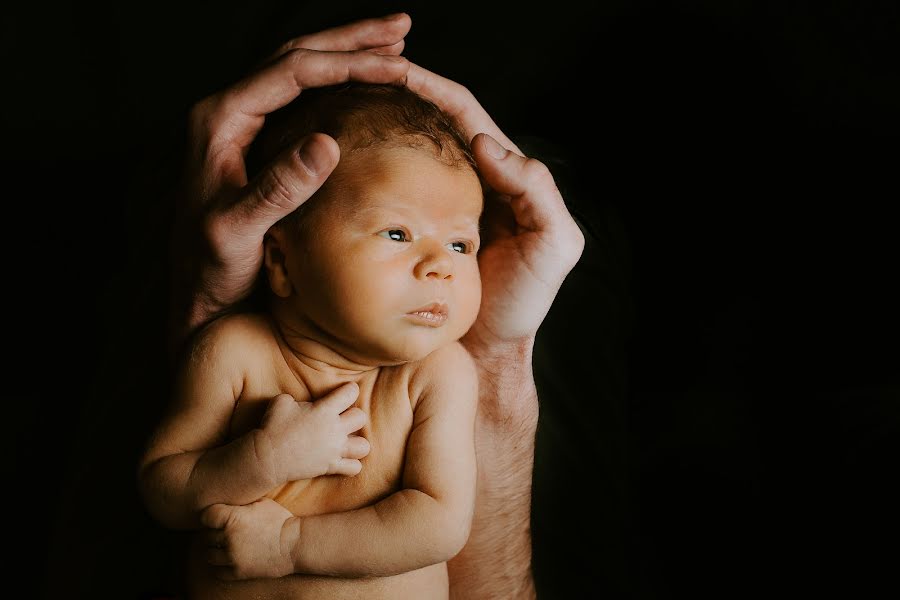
[{"x": 718, "y": 376}]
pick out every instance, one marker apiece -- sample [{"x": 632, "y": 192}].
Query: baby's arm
[
  {"x": 188, "y": 466},
  {"x": 425, "y": 523}
]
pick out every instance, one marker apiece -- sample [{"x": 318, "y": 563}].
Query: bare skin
[
  {"x": 533, "y": 244},
  {"x": 386, "y": 532},
  {"x": 396, "y": 230}
]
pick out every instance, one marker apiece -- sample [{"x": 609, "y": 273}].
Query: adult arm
[
  {"x": 425, "y": 523},
  {"x": 531, "y": 244}
]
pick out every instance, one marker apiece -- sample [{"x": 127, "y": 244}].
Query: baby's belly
[
  {"x": 429, "y": 583},
  {"x": 337, "y": 493}
]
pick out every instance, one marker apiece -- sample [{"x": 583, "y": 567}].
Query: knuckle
[
  {"x": 207, "y": 116},
  {"x": 296, "y": 56},
  {"x": 276, "y": 190},
  {"x": 537, "y": 173},
  {"x": 216, "y": 232},
  {"x": 464, "y": 91},
  {"x": 198, "y": 115},
  {"x": 283, "y": 404},
  {"x": 289, "y": 45}
]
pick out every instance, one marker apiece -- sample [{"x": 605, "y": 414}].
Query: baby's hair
[{"x": 361, "y": 116}]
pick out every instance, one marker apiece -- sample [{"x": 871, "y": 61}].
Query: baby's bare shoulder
[
  {"x": 449, "y": 365},
  {"x": 234, "y": 336}
]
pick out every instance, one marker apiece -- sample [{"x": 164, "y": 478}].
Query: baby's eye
[
  {"x": 398, "y": 235},
  {"x": 463, "y": 250}
]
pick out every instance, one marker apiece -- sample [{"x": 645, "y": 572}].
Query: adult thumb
[{"x": 286, "y": 184}]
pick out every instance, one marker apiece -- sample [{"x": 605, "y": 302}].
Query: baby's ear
[{"x": 274, "y": 257}]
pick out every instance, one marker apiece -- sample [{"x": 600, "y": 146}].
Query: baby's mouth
[{"x": 434, "y": 314}]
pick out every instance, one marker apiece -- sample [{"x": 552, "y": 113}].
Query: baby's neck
[{"x": 316, "y": 364}]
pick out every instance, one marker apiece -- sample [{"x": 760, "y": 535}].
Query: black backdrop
[{"x": 718, "y": 377}]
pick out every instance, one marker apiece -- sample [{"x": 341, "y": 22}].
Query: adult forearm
[
  {"x": 408, "y": 530},
  {"x": 496, "y": 560}
]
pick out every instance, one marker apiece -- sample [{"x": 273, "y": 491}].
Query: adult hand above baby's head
[
  {"x": 532, "y": 242},
  {"x": 222, "y": 218}
]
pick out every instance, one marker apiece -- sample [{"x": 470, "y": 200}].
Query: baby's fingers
[
  {"x": 339, "y": 399},
  {"x": 218, "y": 557},
  {"x": 216, "y": 517},
  {"x": 353, "y": 419},
  {"x": 357, "y": 447},
  {"x": 345, "y": 466}
]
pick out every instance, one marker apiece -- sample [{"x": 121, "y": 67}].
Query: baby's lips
[{"x": 438, "y": 308}]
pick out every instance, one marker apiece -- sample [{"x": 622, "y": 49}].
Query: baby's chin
[
  {"x": 397, "y": 354},
  {"x": 402, "y": 357}
]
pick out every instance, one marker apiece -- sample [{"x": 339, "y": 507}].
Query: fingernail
[
  {"x": 315, "y": 159},
  {"x": 392, "y": 58},
  {"x": 494, "y": 148},
  {"x": 394, "y": 17}
]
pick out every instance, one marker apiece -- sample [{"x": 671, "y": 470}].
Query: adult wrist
[{"x": 507, "y": 394}]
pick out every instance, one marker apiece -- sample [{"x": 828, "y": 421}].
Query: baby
[{"x": 358, "y": 479}]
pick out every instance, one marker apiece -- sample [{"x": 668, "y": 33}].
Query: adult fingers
[
  {"x": 340, "y": 399},
  {"x": 216, "y": 516},
  {"x": 345, "y": 466},
  {"x": 354, "y": 419},
  {"x": 365, "y": 34},
  {"x": 393, "y": 49},
  {"x": 276, "y": 192},
  {"x": 457, "y": 101},
  {"x": 357, "y": 447},
  {"x": 526, "y": 182},
  {"x": 224, "y": 124}
]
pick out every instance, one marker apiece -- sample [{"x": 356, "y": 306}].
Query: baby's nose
[{"x": 436, "y": 262}]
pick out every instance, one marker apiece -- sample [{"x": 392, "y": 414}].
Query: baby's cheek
[{"x": 472, "y": 302}]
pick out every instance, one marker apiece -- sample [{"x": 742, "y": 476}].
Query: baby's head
[{"x": 393, "y": 231}]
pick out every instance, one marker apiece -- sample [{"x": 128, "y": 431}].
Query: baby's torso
[{"x": 384, "y": 397}]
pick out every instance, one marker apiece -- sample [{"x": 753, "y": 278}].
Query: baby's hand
[
  {"x": 252, "y": 541},
  {"x": 314, "y": 438}
]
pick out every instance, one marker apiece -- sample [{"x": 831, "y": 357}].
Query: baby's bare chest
[{"x": 384, "y": 397}]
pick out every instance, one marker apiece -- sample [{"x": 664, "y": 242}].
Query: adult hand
[
  {"x": 221, "y": 221},
  {"x": 532, "y": 242}
]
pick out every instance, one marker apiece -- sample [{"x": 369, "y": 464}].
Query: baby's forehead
[
  {"x": 404, "y": 153},
  {"x": 375, "y": 175}
]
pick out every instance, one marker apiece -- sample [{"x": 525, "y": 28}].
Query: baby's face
[{"x": 395, "y": 233}]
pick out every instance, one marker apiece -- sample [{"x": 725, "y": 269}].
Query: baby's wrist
[
  {"x": 264, "y": 458},
  {"x": 290, "y": 542}
]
